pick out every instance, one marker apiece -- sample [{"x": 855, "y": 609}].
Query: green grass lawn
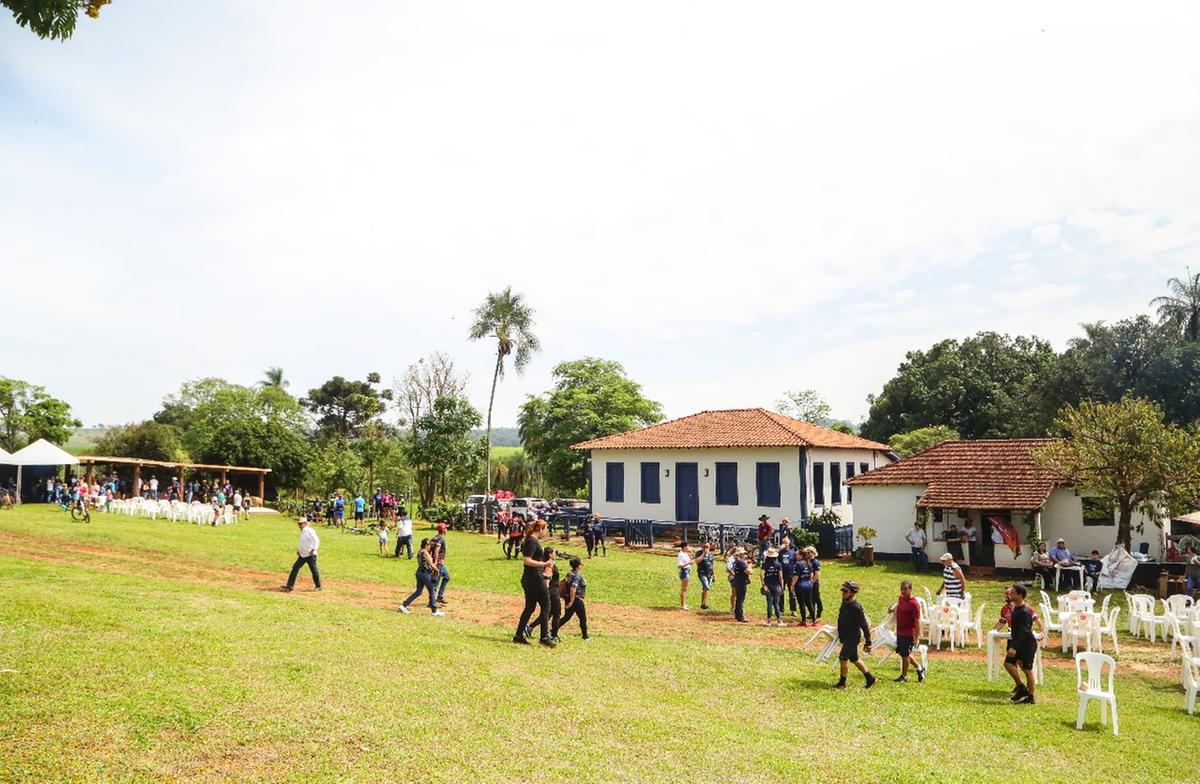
[{"x": 147, "y": 650}]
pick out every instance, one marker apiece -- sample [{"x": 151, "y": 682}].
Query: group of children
[{"x": 403, "y": 526}]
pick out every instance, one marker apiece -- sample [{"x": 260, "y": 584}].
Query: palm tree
[
  {"x": 507, "y": 318},
  {"x": 273, "y": 377},
  {"x": 1181, "y": 310}
]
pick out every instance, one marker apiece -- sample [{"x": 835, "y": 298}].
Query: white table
[
  {"x": 993, "y": 661},
  {"x": 1059, "y": 568}
]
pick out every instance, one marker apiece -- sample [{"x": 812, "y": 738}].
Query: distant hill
[
  {"x": 501, "y": 436},
  {"x": 83, "y": 438}
]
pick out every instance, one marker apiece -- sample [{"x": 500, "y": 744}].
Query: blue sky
[{"x": 732, "y": 201}]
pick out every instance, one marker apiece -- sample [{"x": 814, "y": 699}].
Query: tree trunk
[
  {"x": 487, "y": 444},
  {"x": 1124, "y": 524}
]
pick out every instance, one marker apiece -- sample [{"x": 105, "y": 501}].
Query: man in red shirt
[
  {"x": 908, "y": 631},
  {"x": 765, "y": 532}
]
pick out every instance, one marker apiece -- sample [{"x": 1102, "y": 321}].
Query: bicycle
[{"x": 79, "y": 511}]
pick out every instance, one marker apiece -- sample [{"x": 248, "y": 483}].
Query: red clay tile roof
[
  {"x": 733, "y": 428},
  {"x": 985, "y": 474}
]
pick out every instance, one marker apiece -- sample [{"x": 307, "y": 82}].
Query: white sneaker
[
  {"x": 404, "y": 609},
  {"x": 781, "y": 624},
  {"x": 685, "y": 608},
  {"x": 439, "y": 614},
  {"x": 766, "y": 623}
]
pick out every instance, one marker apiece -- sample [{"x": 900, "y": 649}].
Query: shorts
[
  {"x": 383, "y": 538},
  {"x": 358, "y": 516},
  {"x": 706, "y": 581},
  {"x": 1023, "y": 656},
  {"x": 685, "y": 572},
  {"x": 338, "y": 514},
  {"x": 904, "y": 646},
  {"x": 849, "y": 652}
]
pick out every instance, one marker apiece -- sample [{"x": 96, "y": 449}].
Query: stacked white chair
[
  {"x": 968, "y": 625},
  {"x": 1050, "y": 621},
  {"x": 1092, "y": 686},
  {"x": 1191, "y": 675},
  {"x": 945, "y": 625}
]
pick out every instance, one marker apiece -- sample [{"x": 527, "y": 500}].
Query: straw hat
[{"x": 771, "y": 552}]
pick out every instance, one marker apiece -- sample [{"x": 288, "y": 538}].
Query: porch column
[
  {"x": 1037, "y": 524},
  {"x": 137, "y": 480},
  {"x": 262, "y": 487}
]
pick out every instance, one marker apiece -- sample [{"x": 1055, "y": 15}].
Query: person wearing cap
[
  {"x": 954, "y": 583},
  {"x": 438, "y": 547},
  {"x": 1061, "y": 554},
  {"x": 740, "y": 580},
  {"x": 771, "y": 579},
  {"x": 765, "y": 532},
  {"x": 306, "y": 553},
  {"x": 684, "y": 561},
  {"x": 852, "y": 628},
  {"x": 815, "y": 564},
  {"x": 802, "y": 587},
  {"x": 785, "y": 528}
]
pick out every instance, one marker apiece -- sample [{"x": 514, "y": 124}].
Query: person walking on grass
[
  {"x": 536, "y": 595},
  {"x": 551, "y": 579},
  {"x": 598, "y": 535},
  {"x": 815, "y": 565},
  {"x": 740, "y": 580},
  {"x": 730, "y": 562},
  {"x": 908, "y": 631},
  {"x": 802, "y": 587},
  {"x": 360, "y": 509},
  {"x": 382, "y": 526},
  {"x": 765, "y": 532},
  {"x": 1022, "y": 648},
  {"x": 575, "y": 592},
  {"x": 439, "y": 557},
  {"x": 852, "y": 629},
  {"x": 954, "y": 583},
  {"x": 306, "y": 553},
  {"x": 771, "y": 578},
  {"x": 704, "y": 571},
  {"x": 426, "y": 579},
  {"x": 684, "y": 561},
  {"x": 589, "y": 534},
  {"x": 404, "y": 533}
]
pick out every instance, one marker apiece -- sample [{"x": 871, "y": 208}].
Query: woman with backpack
[
  {"x": 575, "y": 587},
  {"x": 426, "y": 580}
]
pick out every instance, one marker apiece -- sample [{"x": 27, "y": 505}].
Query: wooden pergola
[{"x": 137, "y": 463}]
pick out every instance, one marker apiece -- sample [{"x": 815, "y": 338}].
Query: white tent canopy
[
  {"x": 5, "y": 457},
  {"x": 39, "y": 453}
]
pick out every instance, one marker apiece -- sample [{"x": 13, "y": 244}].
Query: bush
[
  {"x": 802, "y": 539},
  {"x": 446, "y": 512},
  {"x": 826, "y": 516},
  {"x": 290, "y": 507}
]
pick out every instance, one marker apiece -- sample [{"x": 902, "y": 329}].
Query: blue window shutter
[
  {"x": 835, "y": 483},
  {"x": 864, "y": 468},
  {"x": 849, "y": 490},
  {"x": 727, "y": 488},
  {"x": 766, "y": 483},
  {"x": 819, "y": 484},
  {"x": 651, "y": 492},
  {"x": 614, "y": 482}
]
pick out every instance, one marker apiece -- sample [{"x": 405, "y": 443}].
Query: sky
[{"x": 730, "y": 199}]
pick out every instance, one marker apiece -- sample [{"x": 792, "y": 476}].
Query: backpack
[{"x": 564, "y": 589}]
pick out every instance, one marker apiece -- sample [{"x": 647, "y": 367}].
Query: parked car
[
  {"x": 528, "y": 508},
  {"x": 473, "y": 506}
]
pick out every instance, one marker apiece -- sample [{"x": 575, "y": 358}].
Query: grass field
[{"x": 138, "y": 650}]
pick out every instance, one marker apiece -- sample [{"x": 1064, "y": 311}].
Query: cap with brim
[
  {"x": 771, "y": 552},
  {"x": 947, "y": 557}
]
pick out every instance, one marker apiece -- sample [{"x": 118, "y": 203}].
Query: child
[
  {"x": 383, "y": 538},
  {"x": 576, "y": 590},
  {"x": 852, "y": 628},
  {"x": 908, "y": 631},
  {"x": 1091, "y": 570},
  {"x": 684, "y": 561},
  {"x": 1022, "y": 648}
]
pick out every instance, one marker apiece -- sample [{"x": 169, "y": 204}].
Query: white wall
[
  {"x": 890, "y": 510},
  {"x": 1063, "y": 516},
  {"x": 827, "y": 456}
]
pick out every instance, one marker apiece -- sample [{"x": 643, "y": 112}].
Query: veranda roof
[{"x": 42, "y": 453}]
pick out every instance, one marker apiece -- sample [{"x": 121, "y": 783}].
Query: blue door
[{"x": 687, "y": 492}]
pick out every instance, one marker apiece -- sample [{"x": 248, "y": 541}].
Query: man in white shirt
[
  {"x": 237, "y": 504},
  {"x": 154, "y": 487},
  {"x": 306, "y": 553},
  {"x": 917, "y": 540},
  {"x": 404, "y": 533}
]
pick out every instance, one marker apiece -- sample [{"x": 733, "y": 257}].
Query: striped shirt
[{"x": 954, "y": 586}]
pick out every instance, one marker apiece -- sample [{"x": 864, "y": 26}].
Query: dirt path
[{"x": 480, "y": 607}]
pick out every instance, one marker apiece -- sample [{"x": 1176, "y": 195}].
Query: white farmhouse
[
  {"x": 990, "y": 483},
  {"x": 728, "y": 467}
]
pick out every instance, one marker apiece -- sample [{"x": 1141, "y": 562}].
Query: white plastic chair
[
  {"x": 1177, "y": 634},
  {"x": 1080, "y": 627},
  {"x": 945, "y": 623},
  {"x": 1050, "y": 621},
  {"x": 1108, "y": 625},
  {"x": 1091, "y": 688},
  {"x": 1191, "y": 676},
  {"x": 928, "y": 596},
  {"x": 1104, "y": 604},
  {"x": 1046, "y": 600},
  {"x": 826, "y": 630},
  {"x": 967, "y": 626},
  {"x": 1132, "y": 615},
  {"x": 1144, "y": 616},
  {"x": 926, "y": 625}
]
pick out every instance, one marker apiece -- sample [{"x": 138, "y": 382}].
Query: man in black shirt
[
  {"x": 852, "y": 628},
  {"x": 1022, "y": 648}
]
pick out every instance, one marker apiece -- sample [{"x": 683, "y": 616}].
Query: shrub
[
  {"x": 867, "y": 533},
  {"x": 825, "y": 517},
  {"x": 802, "y": 539},
  {"x": 446, "y": 512}
]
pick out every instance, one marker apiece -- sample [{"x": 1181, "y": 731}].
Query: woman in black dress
[{"x": 537, "y": 593}]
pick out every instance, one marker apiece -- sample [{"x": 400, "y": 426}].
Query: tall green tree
[
  {"x": 53, "y": 19},
  {"x": 273, "y": 377},
  {"x": 28, "y": 412},
  {"x": 591, "y": 398},
  {"x": 506, "y": 318},
  {"x": 1127, "y": 454},
  {"x": 914, "y": 441},
  {"x": 344, "y": 409},
  {"x": 1179, "y": 311},
  {"x": 446, "y": 457},
  {"x": 983, "y": 387},
  {"x": 806, "y": 405},
  {"x": 149, "y": 440}
]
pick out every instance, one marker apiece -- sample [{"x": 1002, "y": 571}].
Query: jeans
[
  {"x": 536, "y": 596},
  {"x": 763, "y": 544},
  {"x": 590, "y": 542},
  {"x": 577, "y": 608},
  {"x": 739, "y": 604},
  {"x": 424, "y": 583},
  {"x": 820, "y": 608},
  {"x": 1193, "y": 584},
  {"x": 404, "y": 542},
  {"x": 555, "y": 612},
  {"x": 791, "y": 595},
  {"x": 919, "y": 559},
  {"x": 311, "y": 560},
  {"x": 806, "y": 603},
  {"x": 445, "y": 578},
  {"x": 774, "y": 601}
]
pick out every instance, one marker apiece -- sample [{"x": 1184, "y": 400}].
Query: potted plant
[{"x": 867, "y": 533}]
